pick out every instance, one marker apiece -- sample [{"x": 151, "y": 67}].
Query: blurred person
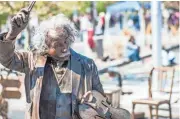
[
  {"x": 99, "y": 29},
  {"x": 115, "y": 76},
  {"x": 91, "y": 42},
  {"x": 121, "y": 21},
  {"x": 84, "y": 25},
  {"x": 75, "y": 19},
  {"x": 132, "y": 50},
  {"x": 102, "y": 21},
  {"x": 64, "y": 76},
  {"x": 21, "y": 40},
  {"x": 168, "y": 57},
  {"x": 136, "y": 21},
  {"x": 173, "y": 23},
  {"x": 112, "y": 21},
  {"x": 130, "y": 24}
]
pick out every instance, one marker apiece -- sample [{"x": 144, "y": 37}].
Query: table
[{"x": 113, "y": 94}]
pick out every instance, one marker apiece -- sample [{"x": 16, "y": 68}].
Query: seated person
[
  {"x": 132, "y": 50},
  {"x": 168, "y": 57}
]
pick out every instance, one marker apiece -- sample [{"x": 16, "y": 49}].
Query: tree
[
  {"x": 45, "y": 9},
  {"x": 101, "y": 5},
  {"x": 8, "y": 8}
]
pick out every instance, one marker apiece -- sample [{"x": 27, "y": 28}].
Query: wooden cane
[{"x": 31, "y": 6}]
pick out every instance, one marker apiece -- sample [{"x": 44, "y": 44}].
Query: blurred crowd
[{"x": 128, "y": 23}]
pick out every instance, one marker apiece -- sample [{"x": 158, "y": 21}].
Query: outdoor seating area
[
  {"x": 151, "y": 101},
  {"x": 167, "y": 76}
]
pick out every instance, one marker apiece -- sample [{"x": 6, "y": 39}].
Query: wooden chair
[
  {"x": 152, "y": 101},
  {"x": 10, "y": 85}
]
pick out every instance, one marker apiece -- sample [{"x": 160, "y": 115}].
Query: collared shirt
[{"x": 55, "y": 102}]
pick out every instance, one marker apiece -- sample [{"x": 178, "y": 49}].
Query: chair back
[
  {"x": 9, "y": 80},
  {"x": 165, "y": 77}
]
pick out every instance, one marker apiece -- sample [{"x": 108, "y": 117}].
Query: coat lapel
[
  {"x": 38, "y": 86},
  {"x": 76, "y": 77}
]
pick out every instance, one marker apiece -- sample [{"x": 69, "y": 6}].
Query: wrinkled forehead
[{"x": 58, "y": 33}]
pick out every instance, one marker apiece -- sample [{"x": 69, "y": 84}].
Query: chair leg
[
  {"x": 156, "y": 112},
  {"x": 133, "y": 108},
  {"x": 170, "y": 112},
  {"x": 150, "y": 111}
]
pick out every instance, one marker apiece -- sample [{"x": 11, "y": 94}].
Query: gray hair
[{"x": 59, "y": 21}]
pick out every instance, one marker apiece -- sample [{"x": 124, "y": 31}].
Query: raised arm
[{"x": 8, "y": 56}]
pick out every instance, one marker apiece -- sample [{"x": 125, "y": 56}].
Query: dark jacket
[{"x": 84, "y": 73}]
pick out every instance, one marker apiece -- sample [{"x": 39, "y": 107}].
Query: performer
[{"x": 52, "y": 89}]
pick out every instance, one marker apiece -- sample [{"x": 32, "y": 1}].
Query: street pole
[
  {"x": 93, "y": 14},
  {"x": 156, "y": 38}
]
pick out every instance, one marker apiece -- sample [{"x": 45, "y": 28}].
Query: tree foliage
[
  {"x": 8, "y": 8},
  {"x": 46, "y": 9}
]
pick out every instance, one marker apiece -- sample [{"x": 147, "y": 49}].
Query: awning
[{"x": 123, "y": 6}]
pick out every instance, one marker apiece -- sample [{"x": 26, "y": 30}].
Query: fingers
[
  {"x": 87, "y": 94},
  {"x": 87, "y": 97},
  {"x": 25, "y": 14},
  {"x": 25, "y": 11},
  {"x": 14, "y": 20},
  {"x": 18, "y": 20},
  {"x": 21, "y": 17}
]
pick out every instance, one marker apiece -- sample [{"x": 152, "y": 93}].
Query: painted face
[{"x": 57, "y": 39}]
